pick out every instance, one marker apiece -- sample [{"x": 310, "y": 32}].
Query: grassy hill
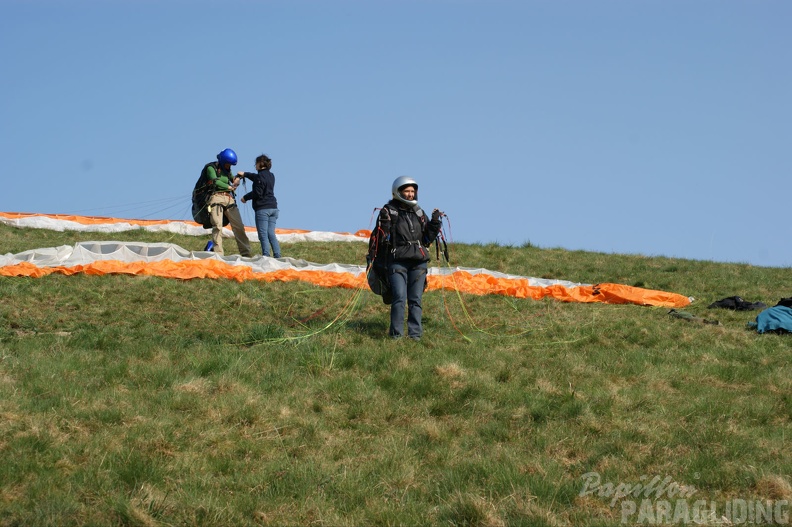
[{"x": 147, "y": 401}]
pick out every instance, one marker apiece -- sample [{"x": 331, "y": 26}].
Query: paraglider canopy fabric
[
  {"x": 171, "y": 261},
  {"x": 64, "y": 222}
]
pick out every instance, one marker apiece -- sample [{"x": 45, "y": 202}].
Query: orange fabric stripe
[
  {"x": 480, "y": 284},
  {"x": 102, "y": 220},
  {"x": 86, "y": 220}
]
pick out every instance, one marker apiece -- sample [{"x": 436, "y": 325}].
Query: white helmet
[{"x": 401, "y": 182}]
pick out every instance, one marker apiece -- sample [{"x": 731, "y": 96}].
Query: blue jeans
[
  {"x": 265, "y": 226},
  {"x": 407, "y": 281}
]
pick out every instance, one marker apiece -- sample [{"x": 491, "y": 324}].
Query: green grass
[{"x": 147, "y": 401}]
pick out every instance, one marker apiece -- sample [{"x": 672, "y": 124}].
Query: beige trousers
[{"x": 220, "y": 204}]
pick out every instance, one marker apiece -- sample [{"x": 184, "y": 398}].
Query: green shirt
[{"x": 222, "y": 179}]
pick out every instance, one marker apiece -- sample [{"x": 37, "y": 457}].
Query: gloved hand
[{"x": 436, "y": 214}]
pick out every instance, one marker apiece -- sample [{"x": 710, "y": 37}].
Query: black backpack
[
  {"x": 377, "y": 265},
  {"x": 200, "y": 196},
  {"x": 377, "y": 260}
]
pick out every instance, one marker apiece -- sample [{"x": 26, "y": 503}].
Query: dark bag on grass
[{"x": 736, "y": 303}]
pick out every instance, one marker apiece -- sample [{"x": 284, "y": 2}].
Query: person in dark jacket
[
  {"x": 408, "y": 233},
  {"x": 264, "y": 204}
]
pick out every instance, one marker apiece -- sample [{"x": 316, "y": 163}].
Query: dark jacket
[
  {"x": 408, "y": 231},
  {"x": 263, "y": 191}
]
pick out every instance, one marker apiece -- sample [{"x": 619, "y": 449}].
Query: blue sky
[{"x": 661, "y": 128}]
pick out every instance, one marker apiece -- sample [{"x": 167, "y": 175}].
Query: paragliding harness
[
  {"x": 204, "y": 188},
  {"x": 377, "y": 258},
  {"x": 380, "y": 252}
]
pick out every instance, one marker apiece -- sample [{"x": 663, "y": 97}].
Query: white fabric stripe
[
  {"x": 177, "y": 227},
  {"x": 88, "y": 252}
]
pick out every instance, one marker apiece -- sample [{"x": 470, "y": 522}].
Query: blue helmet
[{"x": 227, "y": 156}]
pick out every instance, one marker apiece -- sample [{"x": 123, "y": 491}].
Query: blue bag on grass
[{"x": 777, "y": 319}]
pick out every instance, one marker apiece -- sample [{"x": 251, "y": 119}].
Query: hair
[{"x": 263, "y": 162}]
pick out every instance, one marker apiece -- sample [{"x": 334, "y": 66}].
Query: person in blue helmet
[
  {"x": 264, "y": 204},
  {"x": 222, "y": 203},
  {"x": 408, "y": 234}
]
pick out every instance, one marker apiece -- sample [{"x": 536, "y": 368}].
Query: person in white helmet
[{"x": 408, "y": 233}]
